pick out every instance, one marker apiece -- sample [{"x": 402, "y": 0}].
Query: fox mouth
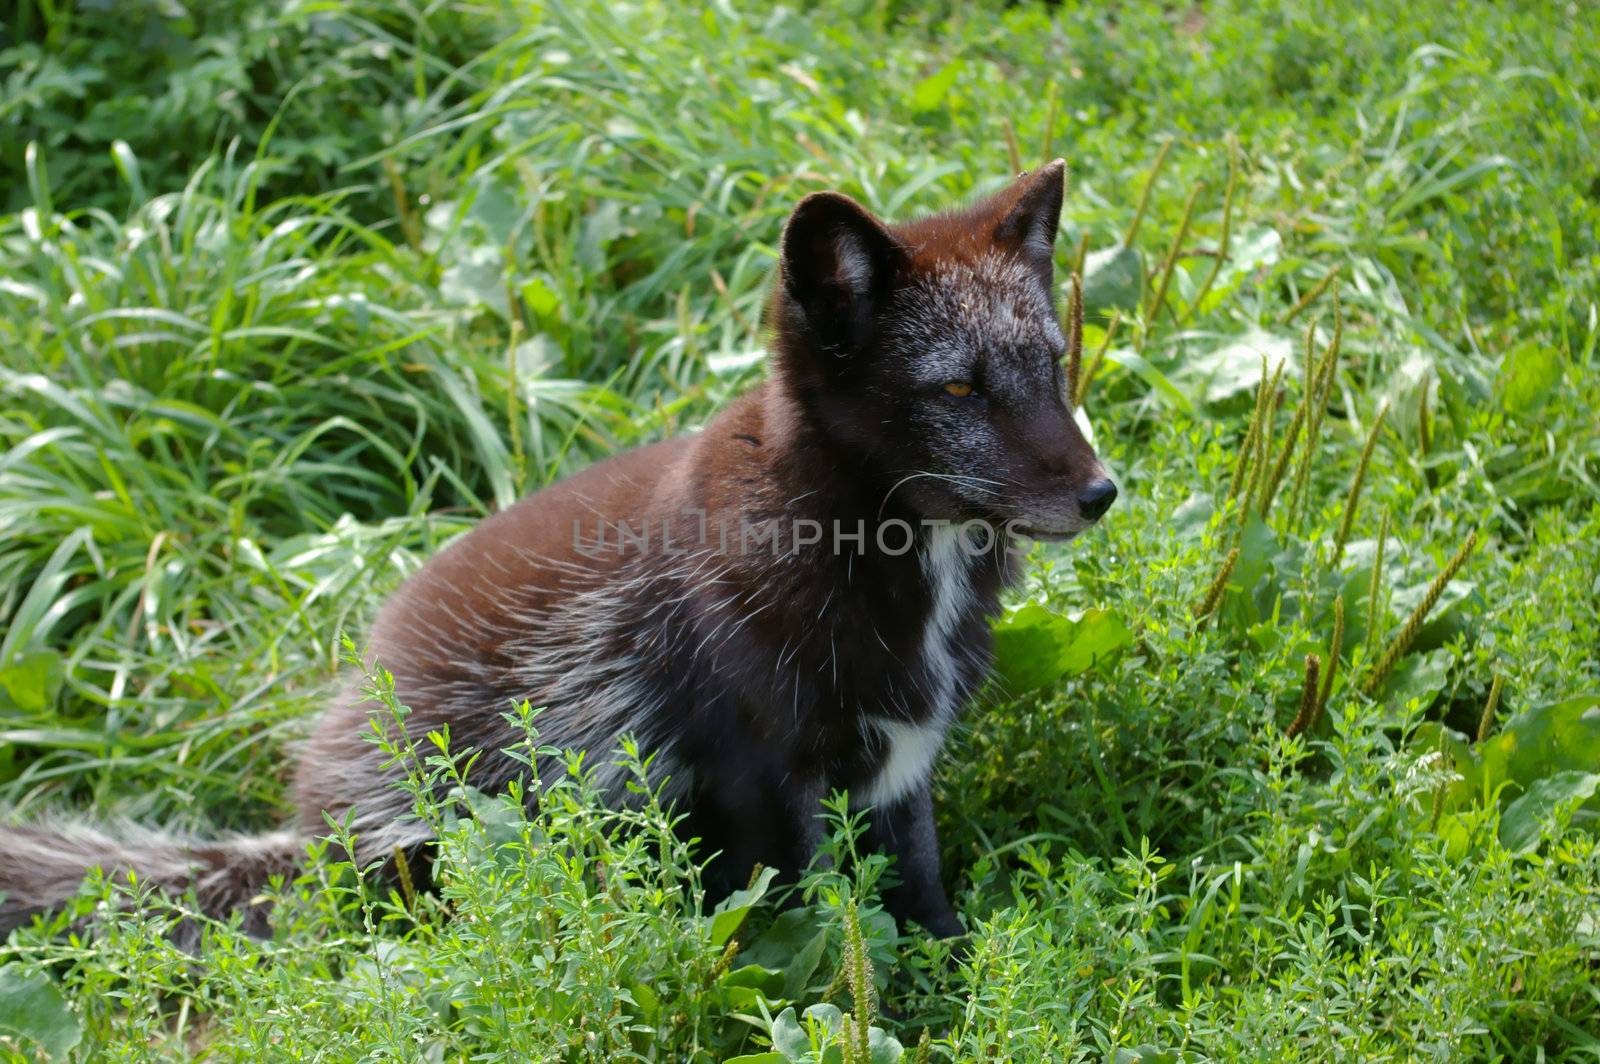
[{"x": 1045, "y": 534}]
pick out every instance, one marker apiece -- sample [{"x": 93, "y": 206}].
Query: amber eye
[{"x": 959, "y": 389}]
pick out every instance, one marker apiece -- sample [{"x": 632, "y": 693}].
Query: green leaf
[
  {"x": 1464, "y": 760},
  {"x": 744, "y": 999},
  {"x": 1418, "y": 676},
  {"x": 1234, "y": 369},
  {"x": 1113, "y": 279},
  {"x": 1531, "y": 372},
  {"x": 767, "y": 982},
  {"x": 829, "y": 1016},
  {"x": 127, "y": 164},
  {"x": 31, "y": 682},
  {"x": 1147, "y": 1055},
  {"x": 476, "y": 278},
  {"x": 929, "y": 93},
  {"x": 1456, "y": 398},
  {"x": 1523, "y": 819},
  {"x": 793, "y": 944},
  {"x": 1251, "y": 252},
  {"x": 1255, "y": 576},
  {"x": 646, "y": 998},
  {"x": 882, "y": 1047},
  {"x": 1543, "y": 740},
  {"x": 732, "y": 910},
  {"x": 1152, "y": 376},
  {"x": 1401, "y": 391},
  {"x": 758, "y": 1058},
  {"x": 1434, "y": 187},
  {"x": 601, "y": 227},
  {"x": 1193, "y": 514},
  {"x": 797, "y": 974},
  {"x": 788, "y": 1037},
  {"x": 540, "y": 297},
  {"x": 32, "y": 1008},
  {"x": 1035, "y": 646}
]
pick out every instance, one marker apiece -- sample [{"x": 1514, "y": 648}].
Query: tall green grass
[{"x": 292, "y": 294}]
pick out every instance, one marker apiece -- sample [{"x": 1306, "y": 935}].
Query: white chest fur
[{"x": 910, "y": 748}]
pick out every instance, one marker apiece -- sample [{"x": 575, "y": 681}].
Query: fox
[{"x": 793, "y": 600}]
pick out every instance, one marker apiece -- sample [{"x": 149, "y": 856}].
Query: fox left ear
[
  {"x": 1029, "y": 227},
  {"x": 837, "y": 263}
]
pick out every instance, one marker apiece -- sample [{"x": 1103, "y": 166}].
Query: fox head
[{"x": 930, "y": 353}]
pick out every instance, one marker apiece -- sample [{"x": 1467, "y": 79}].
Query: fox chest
[{"x": 903, "y": 746}]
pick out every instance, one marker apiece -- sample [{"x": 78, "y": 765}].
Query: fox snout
[
  {"x": 1071, "y": 486},
  {"x": 1066, "y": 512}
]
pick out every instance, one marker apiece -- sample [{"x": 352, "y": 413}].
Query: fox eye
[{"x": 959, "y": 389}]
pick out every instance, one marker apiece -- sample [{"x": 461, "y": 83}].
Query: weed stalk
[
  {"x": 1158, "y": 300},
  {"x": 1439, "y": 790},
  {"x": 1291, "y": 437},
  {"x": 408, "y": 890},
  {"x": 1310, "y": 296},
  {"x": 1402, "y": 642},
  {"x": 1486, "y": 721},
  {"x": 1144, "y": 194},
  {"x": 1247, "y": 449},
  {"x": 1080, "y": 253},
  {"x": 1099, "y": 357},
  {"x": 1219, "y": 584},
  {"x": 1424, "y": 430},
  {"x": 1227, "y": 231},
  {"x": 1013, "y": 149},
  {"x": 1335, "y": 648},
  {"x": 1353, "y": 499},
  {"x": 1319, "y": 388},
  {"x": 1075, "y": 336},
  {"x": 1259, "y": 473},
  {"x": 858, "y": 967},
  {"x": 1050, "y": 122},
  {"x": 1306, "y": 717},
  {"x": 1374, "y": 588}
]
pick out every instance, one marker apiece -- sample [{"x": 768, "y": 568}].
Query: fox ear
[
  {"x": 837, "y": 262},
  {"x": 1029, "y": 227}
]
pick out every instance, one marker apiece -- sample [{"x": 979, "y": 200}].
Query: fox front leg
[
  {"x": 905, "y": 830},
  {"x": 800, "y": 799}
]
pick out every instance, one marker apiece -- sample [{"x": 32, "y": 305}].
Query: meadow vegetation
[{"x": 1295, "y": 757}]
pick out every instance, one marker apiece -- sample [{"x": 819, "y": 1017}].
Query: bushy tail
[{"x": 43, "y": 864}]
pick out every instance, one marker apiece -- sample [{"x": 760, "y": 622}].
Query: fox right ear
[
  {"x": 837, "y": 262},
  {"x": 1030, "y": 226}
]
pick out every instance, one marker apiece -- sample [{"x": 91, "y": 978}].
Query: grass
[{"x": 292, "y": 294}]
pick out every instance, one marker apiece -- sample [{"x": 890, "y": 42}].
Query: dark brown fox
[{"x": 794, "y": 599}]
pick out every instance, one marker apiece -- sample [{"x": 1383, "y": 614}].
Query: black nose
[{"x": 1097, "y": 498}]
